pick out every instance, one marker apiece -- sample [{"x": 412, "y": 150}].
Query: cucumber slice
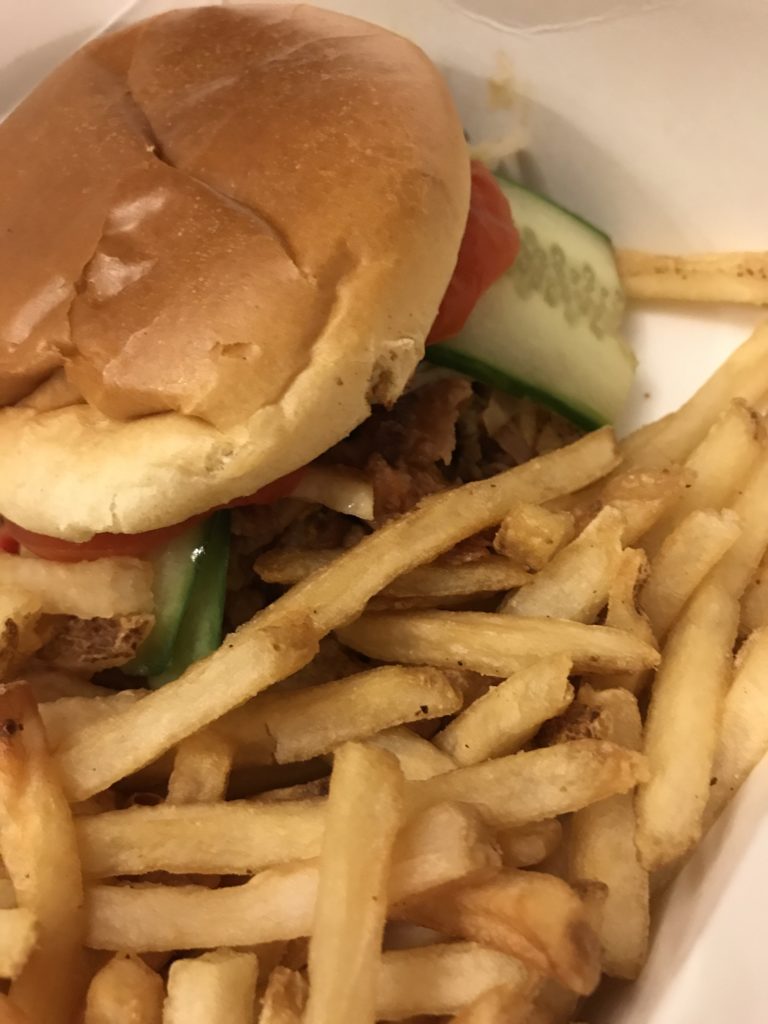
[
  {"x": 200, "y": 632},
  {"x": 550, "y": 326},
  {"x": 174, "y": 573}
]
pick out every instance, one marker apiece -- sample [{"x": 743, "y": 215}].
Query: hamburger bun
[{"x": 226, "y": 233}]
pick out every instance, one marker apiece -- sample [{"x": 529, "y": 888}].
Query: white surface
[{"x": 647, "y": 116}]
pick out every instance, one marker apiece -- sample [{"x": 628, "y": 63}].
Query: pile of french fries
[{"x": 470, "y": 779}]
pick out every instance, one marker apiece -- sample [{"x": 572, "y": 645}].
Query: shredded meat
[
  {"x": 407, "y": 451},
  {"x": 90, "y": 645}
]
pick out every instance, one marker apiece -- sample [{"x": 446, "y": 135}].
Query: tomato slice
[
  {"x": 489, "y": 247},
  {"x": 110, "y": 545}
]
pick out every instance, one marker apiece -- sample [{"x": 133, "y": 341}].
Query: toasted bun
[{"x": 225, "y": 233}]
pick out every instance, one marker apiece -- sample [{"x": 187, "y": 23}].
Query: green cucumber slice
[
  {"x": 200, "y": 632},
  {"x": 550, "y": 326},
  {"x": 174, "y": 573}
]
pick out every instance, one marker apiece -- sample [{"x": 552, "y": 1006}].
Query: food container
[{"x": 647, "y": 117}]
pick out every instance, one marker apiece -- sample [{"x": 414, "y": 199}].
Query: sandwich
[{"x": 229, "y": 236}]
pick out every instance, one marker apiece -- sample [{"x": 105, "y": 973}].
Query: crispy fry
[
  {"x": 505, "y": 1004},
  {"x": 237, "y": 838},
  {"x": 250, "y": 660},
  {"x": 718, "y": 466},
  {"x": 365, "y": 809},
  {"x": 10, "y": 1014},
  {"x": 508, "y": 715},
  {"x": 743, "y": 375},
  {"x": 602, "y": 848},
  {"x": 496, "y": 645},
  {"x": 492, "y": 573},
  {"x": 216, "y": 988},
  {"x": 681, "y": 728},
  {"x": 64, "y": 717},
  {"x": 449, "y": 838},
  {"x": 531, "y": 534},
  {"x": 575, "y": 583},
  {"x": 125, "y": 991},
  {"x": 441, "y": 979},
  {"x": 295, "y": 726},
  {"x": 278, "y": 903},
  {"x": 532, "y": 916},
  {"x": 39, "y": 850},
  {"x": 645, "y": 496},
  {"x": 89, "y": 590},
  {"x": 754, "y": 603},
  {"x": 526, "y": 845},
  {"x": 743, "y": 736},
  {"x": 285, "y": 997},
  {"x": 537, "y": 784},
  {"x": 419, "y": 759},
  {"x": 18, "y": 935},
  {"x": 201, "y": 768},
  {"x": 687, "y": 555},
  {"x": 623, "y": 614},
  {"x": 281, "y": 639},
  {"x": 695, "y": 277}
]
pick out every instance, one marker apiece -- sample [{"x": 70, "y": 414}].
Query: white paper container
[{"x": 648, "y": 117}]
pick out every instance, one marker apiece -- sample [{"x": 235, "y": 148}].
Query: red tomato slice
[
  {"x": 489, "y": 247},
  {"x": 109, "y": 545}
]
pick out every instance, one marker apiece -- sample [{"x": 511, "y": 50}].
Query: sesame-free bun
[{"x": 225, "y": 232}]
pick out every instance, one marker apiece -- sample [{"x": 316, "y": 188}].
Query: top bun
[{"x": 226, "y": 232}]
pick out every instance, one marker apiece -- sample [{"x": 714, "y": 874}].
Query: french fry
[
  {"x": 537, "y": 784},
  {"x": 7, "y": 893},
  {"x": 277, "y": 904},
  {"x": 125, "y": 991},
  {"x": 48, "y": 684},
  {"x": 295, "y": 726},
  {"x": 645, "y": 496},
  {"x": 526, "y": 845},
  {"x": 64, "y": 717},
  {"x": 696, "y": 277},
  {"x": 681, "y": 728},
  {"x": 201, "y": 768},
  {"x": 20, "y": 633},
  {"x": 418, "y": 758},
  {"x": 531, "y": 534},
  {"x": 421, "y": 857},
  {"x": 532, "y": 916},
  {"x": 285, "y": 997},
  {"x": 574, "y": 584},
  {"x": 743, "y": 734},
  {"x": 39, "y": 851},
  {"x": 508, "y": 715},
  {"x": 494, "y": 644},
  {"x": 283, "y": 637},
  {"x": 505, "y": 1004},
  {"x": 602, "y": 848},
  {"x": 743, "y": 375},
  {"x": 18, "y": 935},
  {"x": 736, "y": 569},
  {"x": 717, "y": 468},
  {"x": 216, "y": 988},
  {"x": 89, "y": 590},
  {"x": 623, "y": 614},
  {"x": 365, "y": 809},
  {"x": 10, "y": 1014},
  {"x": 754, "y": 603},
  {"x": 442, "y": 979},
  {"x": 489, "y": 574},
  {"x": 250, "y": 660},
  {"x": 232, "y": 838},
  {"x": 685, "y": 558}
]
